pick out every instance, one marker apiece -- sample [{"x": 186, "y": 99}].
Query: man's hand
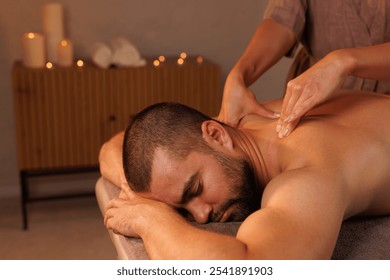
[
  {"x": 132, "y": 215},
  {"x": 238, "y": 101}
]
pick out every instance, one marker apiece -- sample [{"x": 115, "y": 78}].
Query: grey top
[{"x": 324, "y": 26}]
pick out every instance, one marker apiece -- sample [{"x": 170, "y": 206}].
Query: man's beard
[{"x": 243, "y": 183}]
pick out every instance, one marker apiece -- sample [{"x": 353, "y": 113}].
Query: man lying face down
[{"x": 292, "y": 194}]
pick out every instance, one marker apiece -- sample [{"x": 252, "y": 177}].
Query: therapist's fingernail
[
  {"x": 291, "y": 118},
  {"x": 280, "y": 133},
  {"x": 286, "y": 132},
  {"x": 278, "y": 127},
  {"x": 276, "y": 115}
]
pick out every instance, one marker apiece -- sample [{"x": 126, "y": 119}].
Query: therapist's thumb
[{"x": 260, "y": 110}]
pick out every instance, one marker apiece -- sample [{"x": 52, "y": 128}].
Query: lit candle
[
  {"x": 65, "y": 53},
  {"x": 33, "y": 50}
]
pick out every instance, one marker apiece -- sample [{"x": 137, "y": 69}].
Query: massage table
[{"x": 363, "y": 238}]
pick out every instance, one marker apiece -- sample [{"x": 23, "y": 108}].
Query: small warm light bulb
[
  {"x": 161, "y": 58},
  {"x": 156, "y": 63},
  {"x": 64, "y": 43},
  {"x": 80, "y": 63},
  {"x": 30, "y": 35},
  {"x": 49, "y": 65},
  {"x": 180, "y": 61},
  {"x": 183, "y": 55},
  {"x": 199, "y": 59}
]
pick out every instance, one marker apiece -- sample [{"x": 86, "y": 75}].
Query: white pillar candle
[
  {"x": 65, "y": 53},
  {"x": 53, "y": 28},
  {"x": 53, "y": 19},
  {"x": 33, "y": 50}
]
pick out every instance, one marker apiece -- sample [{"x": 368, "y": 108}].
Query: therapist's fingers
[
  {"x": 287, "y": 128},
  {"x": 291, "y": 97},
  {"x": 306, "y": 101},
  {"x": 233, "y": 113},
  {"x": 293, "y": 94},
  {"x": 259, "y": 109}
]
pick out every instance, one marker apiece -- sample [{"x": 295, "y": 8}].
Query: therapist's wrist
[
  {"x": 245, "y": 72},
  {"x": 345, "y": 61}
]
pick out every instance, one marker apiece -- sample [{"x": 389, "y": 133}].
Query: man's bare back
[{"x": 350, "y": 136}]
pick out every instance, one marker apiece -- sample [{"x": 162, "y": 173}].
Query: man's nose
[{"x": 200, "y": 211}]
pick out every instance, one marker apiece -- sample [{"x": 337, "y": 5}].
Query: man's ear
[{"x": 215, "y": 133}]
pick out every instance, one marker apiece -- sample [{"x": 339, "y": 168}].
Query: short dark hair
[{"x": 172, "y": 126}]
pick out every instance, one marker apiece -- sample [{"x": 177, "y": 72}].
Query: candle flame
[
  {"x": 180, "y": 61},
  {"x": 80, "y": 63},
  {"x": 183, "y": 55},
  {"x": 49, "y": 65},
  {"x": 31, "y": 35},
  {"x": 156, "y": 62}
]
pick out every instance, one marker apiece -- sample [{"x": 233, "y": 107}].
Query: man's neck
[{"x": 259, "y": 148}]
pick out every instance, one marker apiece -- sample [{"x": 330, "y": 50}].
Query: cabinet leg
[{"x": 25, "y": 197}]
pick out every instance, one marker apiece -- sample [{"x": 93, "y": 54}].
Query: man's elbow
[{"x": 103, "y": 158}]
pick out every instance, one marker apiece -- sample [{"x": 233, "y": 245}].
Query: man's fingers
[{"x": 107, "y": 216}]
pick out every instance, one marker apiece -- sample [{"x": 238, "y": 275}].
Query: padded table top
[{"x": 363, "y": 238}]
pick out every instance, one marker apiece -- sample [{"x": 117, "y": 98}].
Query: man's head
[{"x": 169, "y": 154}]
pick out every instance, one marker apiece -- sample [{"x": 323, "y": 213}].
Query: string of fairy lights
[
  {"x": 156, "y": 62},
  {"x": 180, "y": 60}
]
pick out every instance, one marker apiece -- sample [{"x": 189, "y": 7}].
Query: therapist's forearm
[
  {"x": 268, "y": 45},
  {"x": 368, "y": 62}
]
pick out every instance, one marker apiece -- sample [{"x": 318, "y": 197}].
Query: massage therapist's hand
[
  {"x": 131, "y": 214},
  {"x": 309, "y": 89},
  {"x": 239, "y": 101}
]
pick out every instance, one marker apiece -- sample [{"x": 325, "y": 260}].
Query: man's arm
[
  {"x": 300, "y": 219},
  {"x": 110, "y": 160},
  {"x": 302, "y": 212}
]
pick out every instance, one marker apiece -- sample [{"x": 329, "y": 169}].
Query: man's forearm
[
  {"x": 110, "y": 160},
  {"x": 185, "y": 241},
  {"x": 166, "y": 234}
]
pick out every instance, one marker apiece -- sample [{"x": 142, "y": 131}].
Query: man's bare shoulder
[
  {"x": 295, "y": 212},
  {"x": 352, "y": 108},
  {"x": 352, "y": 102}
]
